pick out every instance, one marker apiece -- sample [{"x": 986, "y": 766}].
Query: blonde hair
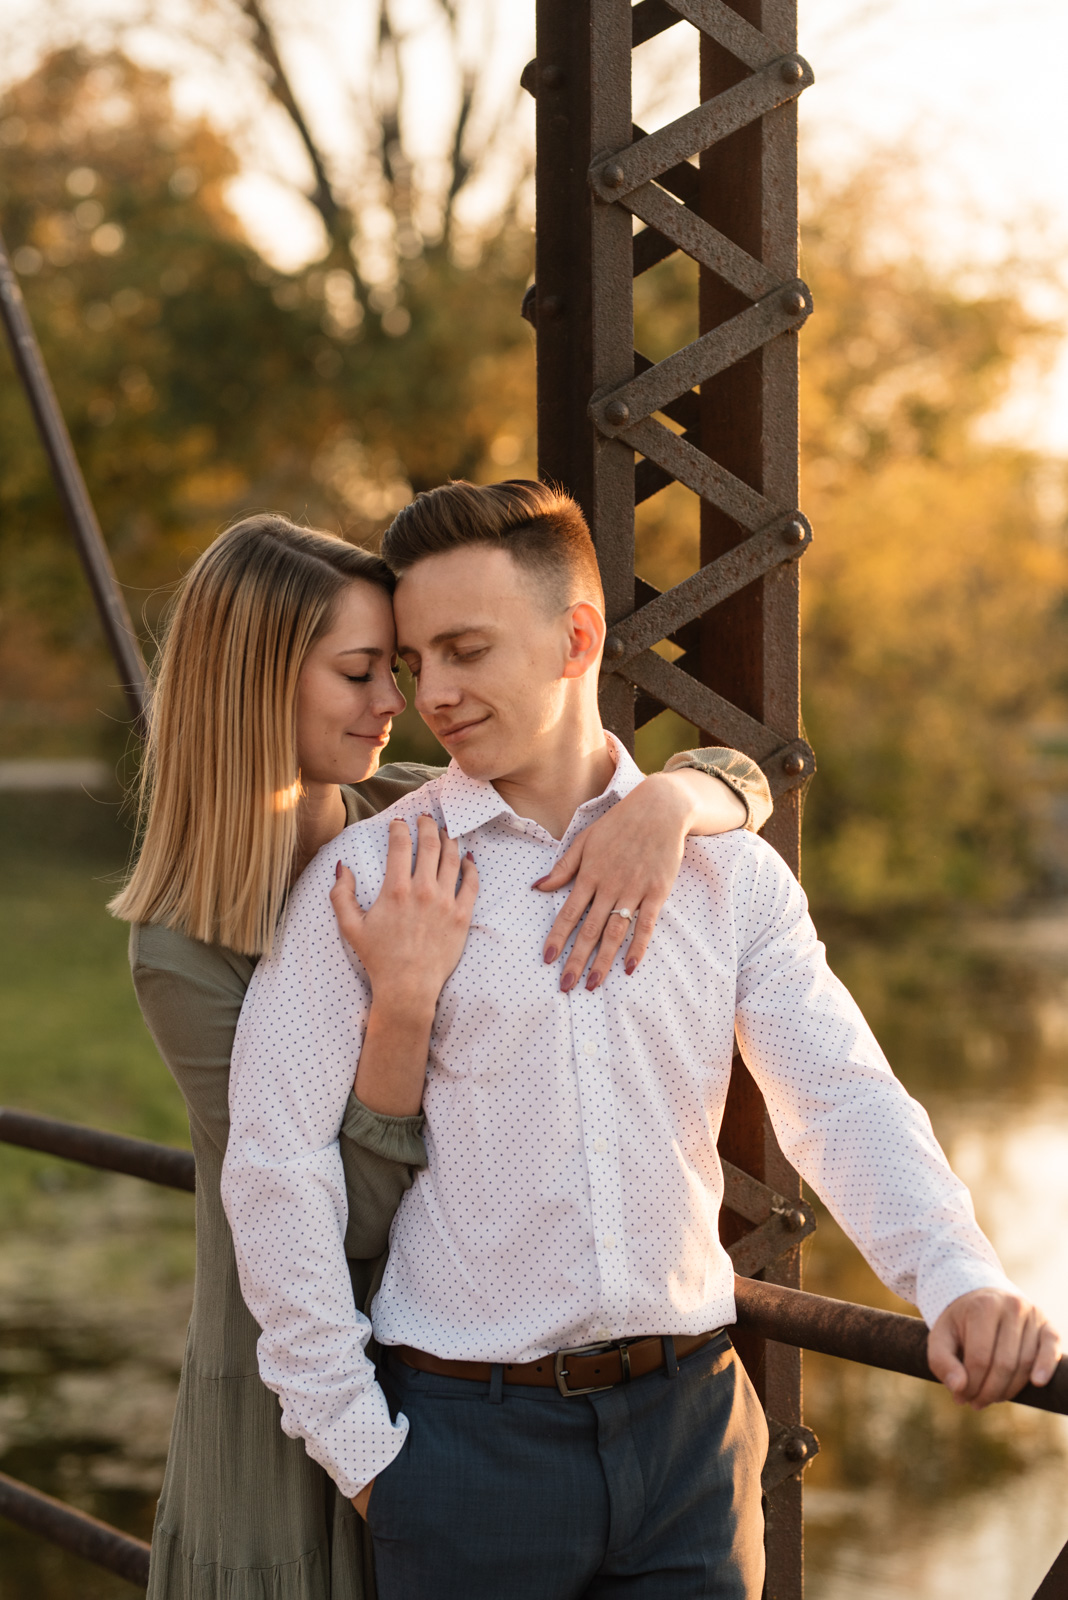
[{"x": 220, "y": 781}]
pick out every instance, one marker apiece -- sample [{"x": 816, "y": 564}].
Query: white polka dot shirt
[{"x": 573, "y": 1188}]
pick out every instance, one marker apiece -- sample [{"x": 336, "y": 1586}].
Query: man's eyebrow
[
  {"x": 458, "y": 633},
  {"x": 362, "y": 650}
]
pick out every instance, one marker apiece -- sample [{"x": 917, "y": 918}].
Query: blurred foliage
[
  {"x": 933, "y": 598},
  {"x": 200, "y": 383}
]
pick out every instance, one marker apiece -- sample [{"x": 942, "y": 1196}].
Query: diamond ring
[{"x": 623, "y": 911}]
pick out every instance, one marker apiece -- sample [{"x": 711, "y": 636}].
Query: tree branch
[{"x": 336, "y": 216}]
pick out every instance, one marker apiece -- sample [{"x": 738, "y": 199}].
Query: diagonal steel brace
[{"x": 614, "y": 175}]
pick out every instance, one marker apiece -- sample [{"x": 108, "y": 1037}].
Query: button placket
[{"x": 597, "y": 1109}]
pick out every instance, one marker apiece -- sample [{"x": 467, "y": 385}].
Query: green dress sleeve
[
  {"x": 729, "y": 766},
  {"x": 738, "y": 773},
  {"x": 190, "y": 995}
]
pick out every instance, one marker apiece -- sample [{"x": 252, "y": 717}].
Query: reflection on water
[
  {"x": 910, "y": 1496},
  {"x": 996, "y": 1543},
  {"x": 913, "y": 1496},
  {"x": 94, "y": 1299}
]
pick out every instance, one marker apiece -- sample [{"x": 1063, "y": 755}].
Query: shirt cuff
[
  {"x": 954, "y": 1278},
  {"x": 394, "y": 1138},
  {"x": 363, "y": 1442}
]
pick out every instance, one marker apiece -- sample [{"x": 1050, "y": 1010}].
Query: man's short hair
[{"x": 540, "y": 526}]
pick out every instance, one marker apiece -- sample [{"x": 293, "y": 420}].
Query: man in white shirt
[{"x": 558, "y": 1411}]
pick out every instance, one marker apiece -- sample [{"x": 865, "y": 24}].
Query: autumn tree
[
  {"x": 933, "y": 598},
  {"x": 199, "y": 382}
]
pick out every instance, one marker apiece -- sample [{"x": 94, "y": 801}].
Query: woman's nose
[{"x": 391, "y": 702}]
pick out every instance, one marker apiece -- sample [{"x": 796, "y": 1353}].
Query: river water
[{"x": 910, "y": 1496}]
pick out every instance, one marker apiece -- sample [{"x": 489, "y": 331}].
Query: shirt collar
[{"x": 470, "y": 803}]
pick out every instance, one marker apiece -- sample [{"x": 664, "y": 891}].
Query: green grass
[{"x": 74, "y": 1044}]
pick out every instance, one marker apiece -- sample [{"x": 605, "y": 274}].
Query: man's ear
[{"x": 585, "y": 639}]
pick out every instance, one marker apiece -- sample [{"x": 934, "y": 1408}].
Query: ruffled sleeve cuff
[
  {"x": 394, "y": 1138},
  {"x": 740, "y": 774}
]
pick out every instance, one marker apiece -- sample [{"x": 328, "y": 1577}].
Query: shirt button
[
  {"x": 600, "y": 1145},
  {"x": 590, "y": 1048},
  {"x": 609, "y": 1241},
  {"x": 602, "y": 1333}
]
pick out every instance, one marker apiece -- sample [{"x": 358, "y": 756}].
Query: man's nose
[{"x": 434, "y": 692}]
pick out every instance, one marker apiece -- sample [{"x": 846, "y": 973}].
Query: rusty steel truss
[{"x": 718, "y": 416}]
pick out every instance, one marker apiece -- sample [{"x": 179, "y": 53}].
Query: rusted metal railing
[
  {"x": 766, "y": 1311},
  {"x": 114, "y": 1152},
  {"x": 74, "y": 1530},
  {"x": 864, "y": 1334}
]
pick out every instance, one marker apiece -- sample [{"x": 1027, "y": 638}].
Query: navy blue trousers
[{"x": 649, "y": 1491}]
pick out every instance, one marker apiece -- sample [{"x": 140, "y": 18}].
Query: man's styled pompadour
[{"x": 541, "y": 527}]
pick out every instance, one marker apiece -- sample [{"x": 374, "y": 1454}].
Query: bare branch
[
  {"x": 335, "y": 214},
  {"x": 395, "y": 164}
]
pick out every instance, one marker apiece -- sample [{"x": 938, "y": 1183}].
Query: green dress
[{"x": 245, "y": 1514}]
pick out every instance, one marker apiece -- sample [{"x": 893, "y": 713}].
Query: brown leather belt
[{"x": 587, "y": 1369}]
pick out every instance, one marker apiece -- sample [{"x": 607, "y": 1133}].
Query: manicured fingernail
[
  {"x": 593, "y": 980},
  {"x": 630, "y": 967},
  {"x": 567, "y": 981},
  {"x": 538, "y": 882},
  {"x": 1040, "y": 1376},
  {"x": 337, "y": 870},
  {"x": 551, "y": 953},
  {"x": 469, "y": 856}
]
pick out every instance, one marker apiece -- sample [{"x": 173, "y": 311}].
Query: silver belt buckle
[{"x": 560, "y": 1371}]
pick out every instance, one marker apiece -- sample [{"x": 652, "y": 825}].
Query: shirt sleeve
[
  {"x": 190, "y": 996},
  {"x": 295, "y": 1055},
  {"x": 740, "y": 774},
  {"x": 841, "y": 1117}
]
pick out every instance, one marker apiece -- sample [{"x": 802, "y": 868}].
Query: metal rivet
[
  {"x": 617, "y": 413},
  {"x": 613, "y": 176},
  {"x": 795, "y": 1448},
  {"x": 550, "y": 75},
  {"x": 791, "y": 70},
  {"x": 794, "y": 765},
  {"x": 794, "y": 531},
  {"x": 613, "y": 648},
  {"x": 794, "y": 302},
  {"x": 793, "y": 1220},
  {"x": 550, "y": 305}
]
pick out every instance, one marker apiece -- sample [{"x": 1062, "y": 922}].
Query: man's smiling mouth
[{"x": 459, "y": 729}]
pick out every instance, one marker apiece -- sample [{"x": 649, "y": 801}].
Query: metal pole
[
  {"x": 30, "y": 366},
  {"x": 749, "y": 644},
  {"x": 139, "y": 1158},
  {"x": 733, "y": 395},
  {"x": 76, "y": 1531},
  {"x": 1054, "y": 1585}
]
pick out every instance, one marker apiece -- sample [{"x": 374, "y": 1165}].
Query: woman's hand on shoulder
[
  {"x": 412, "y": 937},
  {"x": 628, "y": 861}
]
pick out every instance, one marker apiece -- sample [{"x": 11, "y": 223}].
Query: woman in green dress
[{"x": 273, "y": 699}]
